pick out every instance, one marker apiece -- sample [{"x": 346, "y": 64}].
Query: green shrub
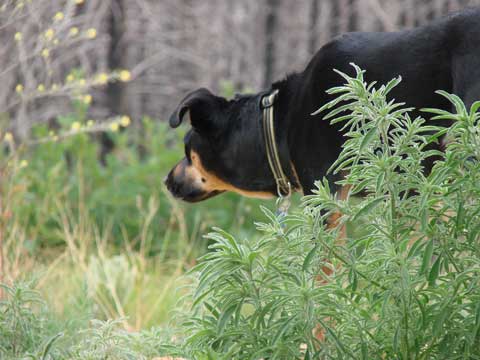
[
  {"x": 408, "y": 288},
  {"x": 23, "y": 322},
  {"x": 29, "y": 331}
]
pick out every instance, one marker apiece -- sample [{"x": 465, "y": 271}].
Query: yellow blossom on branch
[
  {"x": 87, "y": 99},
  {"x": 73, "y": 31},
  {"x": 41, "y": 88},
  {"x": 8, "y": 137},
  {"x": 76, "y": 126},
  {"x": 91, "y": 33},
  {"x": 45, "y": 53},
  {"x": 18, "y": 36},
  {"x": 114, "y": 126},
  {"x": 23, "y": 164},
  {"x": 125, "y": 75},
  {"x": 125, "y": 121},
  {"x": 101, "y": 79},
  {"x": 19, "y": 88},
  {"x": 49, "y": 34},
  {"x": 59, "y": 16}
]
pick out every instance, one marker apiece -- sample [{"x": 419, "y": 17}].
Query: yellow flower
[
  {"x": 70, "y": 78},
  {"x": 91, "y": 33},
  {"x": 114, "y": 126},
  {"x": 18, "y": 36},
  {"x": 73, "y": 31},
  {"x": 23, "y": 163},
  {"x": 125, "y": 121},
  {"x": 102, "y": 79},
  {"x": 19, "y": 88},
  {"x": 41, "y": 88},
  {"x": 45, "y": 53},
  {"x": 82, "y": 82},
  {"x": 76, "y": 126},
  {"x": 55, "y": 42},
  {"x": 79, "y": 2},
  {"x": 51, "y": 133},
  {"x": 87, "y": 99},
  {"x": 54, "y": 87},
  {"x": 49, "y": 34},
  {"x": 125, "y": 75},
  {"x": 8, "y": 137},
  {"x": 90, "y": 123},
  {"x": 58, "y": 16}
]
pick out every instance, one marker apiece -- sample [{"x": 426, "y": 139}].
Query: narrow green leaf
[
  {"x": 225, "y": 316},
  {"x": 367, "y": 208},
  {"x": 309, "y": 257},
  {"x": 433, "y": 275},
  {"x": 367, "y": 139},
  {"x": 282, "y": 330},
  {"x": 439, "y": 321},
  {"x": 427, "y": 257}
]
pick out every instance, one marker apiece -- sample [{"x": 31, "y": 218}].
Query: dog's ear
[{"x": 201, "y": 108}]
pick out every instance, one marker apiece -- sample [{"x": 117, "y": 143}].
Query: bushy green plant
[
  {"x": 23, "y": 323},
  {"x": 408, "y": 288},
  {"x": 29, "y": 331}
]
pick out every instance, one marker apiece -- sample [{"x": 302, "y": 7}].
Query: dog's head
[{"x": 224, "y": 149}]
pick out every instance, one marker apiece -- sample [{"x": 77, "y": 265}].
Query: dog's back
[{"x": 442, "y": 55}]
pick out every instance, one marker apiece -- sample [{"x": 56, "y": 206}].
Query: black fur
[{"x": 443, "y": 55}]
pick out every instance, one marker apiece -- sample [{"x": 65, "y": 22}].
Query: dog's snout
[{"x": 170, "y": 183}]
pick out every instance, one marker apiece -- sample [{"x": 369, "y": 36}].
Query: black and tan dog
[{"x": 225, "y": 150}]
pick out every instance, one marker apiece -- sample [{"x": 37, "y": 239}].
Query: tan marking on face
[
  {"x": 211, "y": 182},
  {"x": 177, "y": 171}
]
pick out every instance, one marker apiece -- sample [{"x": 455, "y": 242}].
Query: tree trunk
[
  {"x": 312, "y": 35},
  {"x": 270, "y": 28}
]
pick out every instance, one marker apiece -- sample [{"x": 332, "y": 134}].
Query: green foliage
[
  {"x": 406, "y": 288},
  {"x": 26, "y": 332},
  {"x": 20, "y": 326}
]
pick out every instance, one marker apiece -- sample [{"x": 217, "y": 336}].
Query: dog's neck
[
  {"x": 294, "y": 121},
  {"x": 284, "y": 96}
]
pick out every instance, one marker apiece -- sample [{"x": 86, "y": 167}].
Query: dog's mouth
[
  {"x": 193, "y": 195},
  {"x": 197, "y": 197}
]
